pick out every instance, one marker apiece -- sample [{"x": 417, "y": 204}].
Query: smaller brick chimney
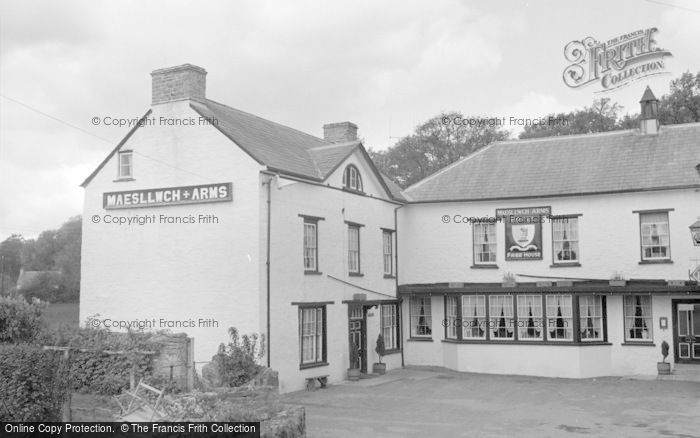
[
  {"x": 185, "y": 81},
  {"x": 340, "y": 132}
]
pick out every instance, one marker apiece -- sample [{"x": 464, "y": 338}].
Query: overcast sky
[{"x": 385, "y": 65}]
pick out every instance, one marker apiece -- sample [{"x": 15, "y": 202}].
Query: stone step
[{"x": 686, "y": 369}]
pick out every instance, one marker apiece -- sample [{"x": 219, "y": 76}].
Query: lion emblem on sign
[{"x": 523, "y": 235}]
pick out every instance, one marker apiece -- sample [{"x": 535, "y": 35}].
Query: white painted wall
[
  {"x": 431, "y": 251},
  {"x": 290, "y": 284},
  {"x": 177, "y": 271}
]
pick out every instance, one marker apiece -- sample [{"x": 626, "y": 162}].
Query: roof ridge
[
  {"x": 559, "y": 137},
  {"x": 448, "y": 167},
  {"x": 335, "y": 145},
  {"x": 267, "y": 120},
  {"x": 679, "y": 125}
]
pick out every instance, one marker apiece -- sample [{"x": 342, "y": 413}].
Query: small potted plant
[
  {"x": 379, "y": 368},
  {"x": 354, "y": 370},
  {"x": 664, "y": 367},
  {"x": 618, "y": 279}
]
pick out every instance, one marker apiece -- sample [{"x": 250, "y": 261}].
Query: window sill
[
  {"x": 313, "y": 273},
  {"x": 419, "y": 340},
  {"x": 355, "y": 191},
  {"x": 655, "y": 262},
  {"x": 389, "y": 276},
  {"x": 313, "y": 365},
  {"x": 394, "y": 351},
  {"x": 124, "y": 179},
  {"x": 356, "y": 274},
  {"x": 639, "y": 344},
  {"x": 512, "y": 342},
  {"x": 565, "y": 265},
  {"x": 484, "y": 266}
]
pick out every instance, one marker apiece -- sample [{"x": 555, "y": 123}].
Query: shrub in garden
[
  {"x": 20, "y": 321},
  {"x": 33, "y": 383},
  {"x": 238, "y": 361},
  {"x": 94, "y": 366}
]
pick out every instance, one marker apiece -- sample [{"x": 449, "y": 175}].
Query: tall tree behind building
[
  {"x": 603, "y": 115},
  {"x": 682, "y": 104},
  {"x": 433, "y": 145},
  {"x": 56, "y": 252}
]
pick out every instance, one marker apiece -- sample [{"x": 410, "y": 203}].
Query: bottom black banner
[{"x": 170, "y": 430}]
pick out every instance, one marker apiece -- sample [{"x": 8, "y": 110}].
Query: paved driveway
[{"x": 434, "y": 402}]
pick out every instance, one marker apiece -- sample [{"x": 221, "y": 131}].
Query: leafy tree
[
  {"x": 55, "y": 250},
  {"x": 601, "y": 116},
  {"x": 682, "y": 104},
  {"x": 10, "y": 260},
  {"x": 433, "y": 145}
]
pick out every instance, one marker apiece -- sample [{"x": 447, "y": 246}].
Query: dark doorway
[
  {"x": 686, "y": 331},
  {"x": 357, "y": 328}
]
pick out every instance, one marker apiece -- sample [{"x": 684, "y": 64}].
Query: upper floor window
[
  {"x": 388, "y": 252},
  {"x": 655, "y": 239},
  {"x": 484, "y": 243},
  {"x": 565, "y": 239},
  {"x": 352, "y": 179},
  {"x": 353, "y": 249},
  {"x": 126, "y": 165},
  {"x": 310, "y": 245}
]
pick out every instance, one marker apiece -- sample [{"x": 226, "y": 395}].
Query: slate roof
[
  {"x": 280, "y": 148},
  {"x": 610, "y": 162}
]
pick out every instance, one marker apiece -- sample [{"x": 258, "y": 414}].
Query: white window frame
[
  {"x": 629, "y": 306},
  {"x": 388, "y": 252},
  {"x": 525, "y": 304},
  {"x": 390, "y": 326},
  {"x": 481, "y": 233},
  {"x": 561, "y": 227},
  {"x": 553, "y": 302},
  {"x": 418, "y": 330},
  {"x": 311, "y": 335},
  {"x": 354, "y": 249},
  {"x": 591, "y": 309},
  {"x": 310, "y": 246},
  {"x": 452, "y": 316},
  {"x": 352, "y": 179},
  {"x": 496, "y": 304},
  {"x": 474, "y": 308},
  {"x": 129, "y": 155},
  {"x": 649, "y": 228}
]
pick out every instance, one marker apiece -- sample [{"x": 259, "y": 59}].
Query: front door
[
  {"x": 686, "y": 333},
  {"x": 356, "y": 326}
]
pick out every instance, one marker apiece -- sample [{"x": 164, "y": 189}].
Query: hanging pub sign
[
  {"x": 523, "y": 231},
  {"x": 220, "y": 192}
]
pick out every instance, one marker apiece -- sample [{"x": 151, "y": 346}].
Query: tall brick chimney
[
  {"x": 185, "y": 81},
  {"x": 340, "y": 132}
]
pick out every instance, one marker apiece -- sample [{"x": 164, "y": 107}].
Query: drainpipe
[
  {"x": 396, "y": 263},
  {"x": 268, "y": 183}
]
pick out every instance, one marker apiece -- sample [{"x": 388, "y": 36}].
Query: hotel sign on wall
[
  {"x": 523, "y": 231},
  {"x": 221, "y": 192}
]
